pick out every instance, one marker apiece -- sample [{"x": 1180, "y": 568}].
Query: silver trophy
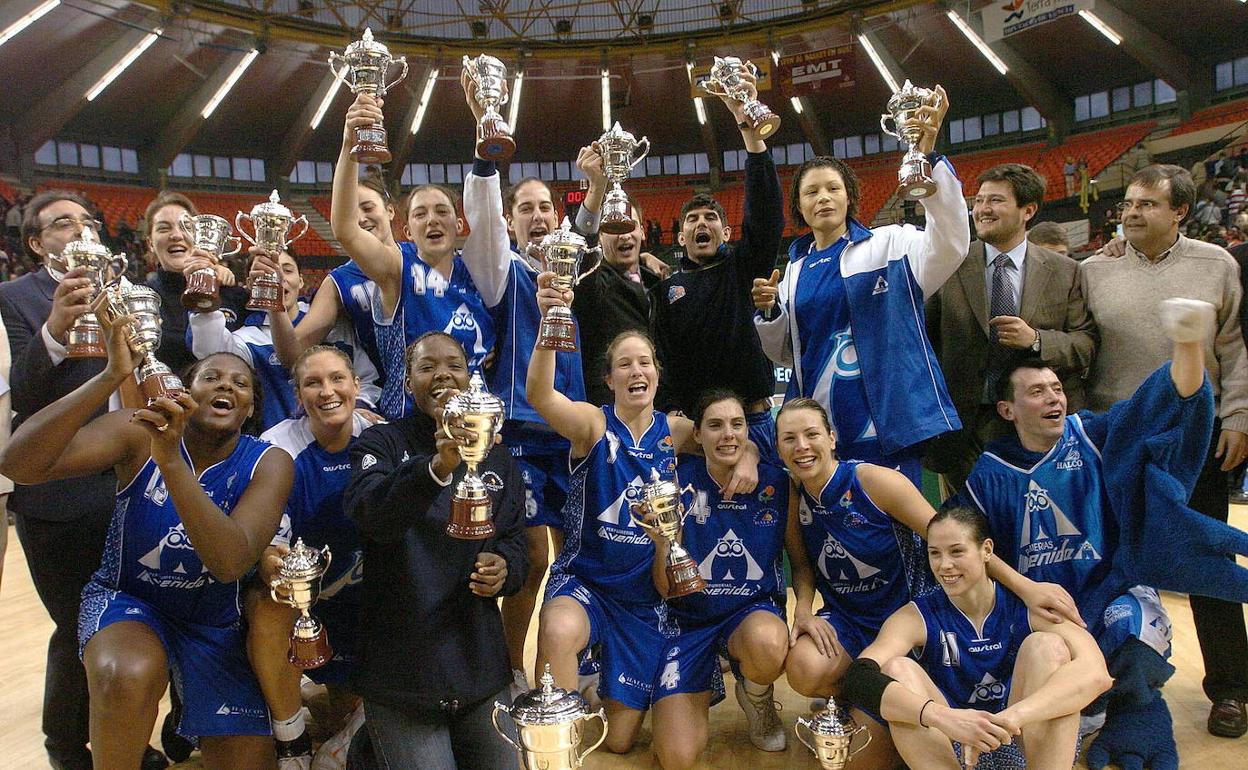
[
  {"x": 364, "y": 66},
  {"x": 831, "y": 733},
  {"x": 276, "y": 228},
  {"x": 660, "y": 498},
  {"x": 104, "y": 269},
  {"x": 725, "y": 80},
  {"x": 494, "y": 140},
  {"x": 549, "y": 723},
  {"x": 299, "y": 579},
  {"x": 211, "y": 234},
  {"x": 142, "y": 304},
  {"x": 482, "y": 413},
  {"x": 915, "y": 175},
  {"x": 620, "y": 152},
  {"x": 561, "y": 253}
]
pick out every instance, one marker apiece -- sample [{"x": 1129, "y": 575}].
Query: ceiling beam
[
  {"x": 886, "y": 56},
  {"x": 811, "y": 129},
  {"x": 1185, "y": 73},
  {"x": 300, "y": 131}
]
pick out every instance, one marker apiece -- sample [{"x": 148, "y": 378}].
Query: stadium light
[
  {"x": 606, "y": 99},
  {"x": 797, "y": 104},
  {"x": 123, "y": 63},
  {"x": 1100, "y": 26},
  {"x": 35, "y": 14},
  {"x": 328, "y": 99},
  {"x": 698, "y": 109},
  {"x": 239, "y": 69},
  {"x": 865, "y": 42},
  {"x": 424, "y": 99},
  {"x": 517, "y": 84},
  {"x": 977, "y": 41},
  {"x": 775, "y": 56}
]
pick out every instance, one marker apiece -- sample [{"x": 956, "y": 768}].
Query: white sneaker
[
  {"x": 519, "y": 684},
  {"x": 332, "y": 755},
  {"x": 587, "y": 684},
  {"x": 766, "y": 730}
]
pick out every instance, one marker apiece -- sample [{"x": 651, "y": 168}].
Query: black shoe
[
  {"x": 153, "y": 760},
  {"x": 294, "y": 754},
  {"x": 1228, "y": 718},
  {"x": 1239, "y": 498},
  {"x": 79, "y": 759},
  {"x": 177, "y": 748}
]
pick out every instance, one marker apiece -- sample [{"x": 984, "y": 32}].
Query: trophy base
[
  {"x": 762, "y": 120},
  {"x": 160, "y": 385},
  {"x": 311, "y": 652},
  {"x": 86, "y": 340},
  {"x": 617, "y": 222},
  {"x": 494, "y": 140},
  {"x": 203, "y": 292},
  {"x": 916, "y": 180},
  {"x": 264, "y": 295},
  {"x": 557, "y": 334},
  {"x": 470, "y": 519},
  {"x": 370, "y": 145},
  {"x": 683, "y": 579}
]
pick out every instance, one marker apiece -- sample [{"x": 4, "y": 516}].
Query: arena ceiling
[{"x": 154, "y": 106}]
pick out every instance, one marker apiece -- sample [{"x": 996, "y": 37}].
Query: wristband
[{"x": 922, "y": 709}]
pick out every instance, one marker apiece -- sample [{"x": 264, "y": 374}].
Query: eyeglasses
[
  {"x": 1144, "y": 206},
  {"x": 67, "y": 223}
]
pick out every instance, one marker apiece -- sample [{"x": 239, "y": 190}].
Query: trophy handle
[
  {"x": 494, "y": 718},
  {"x": 233, "y": 244},
  {"x": 329, "y": 558},
  {"x": 402, "y": 60},
  {"x": 238, "y": 225},
  {"x": 639, "y": 158},
  {"x": 187, "y": 224},
  {"x": 118, "y": 263},
  {"x": 860, "y": 729},
  {"x": 304, "y": 231},
  {"x": 750, "y": 67},
  {"x": 601, "y": 715},
  {"x": 884, "y": 126},
  {"x": 288, "y": 601},
  {"x": 705, "y": 86},
  {"x": 797, "y": 730}
]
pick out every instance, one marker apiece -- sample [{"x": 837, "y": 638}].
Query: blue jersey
[
  {"x": 973, "y": 666},
  {"x": 602, "y": 546},
  {"x": 516, "y": 320},
  {"x": 314, "y": 509},
  {"x": 279, "y": 395},
  {"x": 1049, "y": 520},
  {"x": 383, "y": 340},
  {"x": 855, "y": 550},
  {"x": 834, "y": 377},
  {"x": 430, "y": 302},
  {"x": 148, "y": 554},
  {"x": 737, "y": 543}
]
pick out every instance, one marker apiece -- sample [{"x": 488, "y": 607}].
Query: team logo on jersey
[
  {"x": 988, "y": 689},
  {"x": 845, "y": 356},
  {"x": 768, "y": 493},
  {"x": 949, "y": 655},
  {"x": 730, "y": 553},
  {"x": 617, "y": 511},
  {"x": 1048, "y": 536},
  {"x": 766, "y": 518},
  {"x": 1071, "y": 461},
  {"x": 173, "y": 563},
  {"x": 854, "y": 519},
  {"x": 881, "y": 286},
  {"x": 847, "y": 499},
  {"x": 674, "y": 293},
  {"x": 367, "y": 462},
  {"x": 840, "y": 566},
  {"x": 492, "y": 481},
  {"x": 670, "y": 678}
]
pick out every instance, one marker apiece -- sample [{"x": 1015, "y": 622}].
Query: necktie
[{"x": 1001, "y": 301}]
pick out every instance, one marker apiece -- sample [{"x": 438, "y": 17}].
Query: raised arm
[
  {"x": 581, "y": 423},
  {"x": 771, "y": 319},
  {"x": 1188, "y": 323}
]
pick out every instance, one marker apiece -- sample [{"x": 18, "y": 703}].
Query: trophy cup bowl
[
  {"x": 915, "y": 175},
  {"x": 494, "y": 139},
  {"x": 142, "y": 304},
  {"x": 831, "y": 736},
  {"x": 550, "y": 726},
  {"x": 725, "y": 80},
  {"x": 274, "y": 225},
  {"x": 364, "y": 66},
  {"x": 481, "y": 412},
  {"x": 561, "y": 253},
  {"x": 299, "y": 581},
  {"x": 211, "y": 234},
  {"x": 660, "y": 498},
  {"x": 620, "y": 152},
  {"x": 103, "y": 269}
]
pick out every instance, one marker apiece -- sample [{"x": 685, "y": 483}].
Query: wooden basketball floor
[{"x": 25, "y": 627}]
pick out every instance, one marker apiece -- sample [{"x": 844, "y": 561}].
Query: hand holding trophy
[
  {"x": 299, "y": 581},
  {"x": 480, "y": 412},
  {"x": 561, "y": 253},
  {"x": 620, "y": 152},
  {"x": 142, "y": 304},
  {"x": 660, "y": 502},
  {"x": 103, "y": 269},
  {"x": 916, "y": 114},
  {"x": 210, "y": 234},
  {"x": 489, "y": 76},
  {"x": 732, "y": 78},
  {"x": 274, "y": 225},
  {"x": 364, "y": 66}
]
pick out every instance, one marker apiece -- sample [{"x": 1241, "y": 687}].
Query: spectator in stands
[
  {"x": 1068, "y": 173},
  {"x": 1008, "y": 300},
  {"x": 1051, "y": 236},
  {"x": 1121, "y": 294},
  {"x": 703, "y": 313}
]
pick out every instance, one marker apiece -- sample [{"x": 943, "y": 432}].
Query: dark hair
[
  {"x": 375, "y": 179},
  {"x": 253, "y": 425},
  {"x": 1028, "y": 186},
  {"x": 792, "y": 405},
  {"x": 619, "y": 338},
  {"x": 509, "y": 197},
  {"x": 699, "y": 201},
  {"x": 711, "y": 397},
  {"x": 35, "y": 206},
  {"x": 315, "y": 350},
  {"x": 1005, "y": 385},
  {"x": 448, "y": 192},
  {"x": 1182, "y": 187},
  {"x": 165, "y": 198},
  {"x": 970, "y": 518},
  {"x": 411, "y": 349},
  {"x": 1046, "y": 233},
  {"x": 848, "y": 178}
]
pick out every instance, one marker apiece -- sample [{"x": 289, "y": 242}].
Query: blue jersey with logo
[
  {"x": 854, "y": 549},
  {"x": 1049, "y": 519},
  {"x": 833, "y": 377},
  {"x": 314, "y": 509},
  {"x": 737, "y": 543},
  {"x": 603, "y": 548},
  {"x": 432, "y": 303},
  {"x": 148, "y": 554},
  {"x": 279, "y": 396},
  {"x": 381, "y": 338},
  {"x": 973, "y": 666}
]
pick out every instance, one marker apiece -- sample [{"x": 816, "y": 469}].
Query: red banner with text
[{"x": 817, "y": 71}]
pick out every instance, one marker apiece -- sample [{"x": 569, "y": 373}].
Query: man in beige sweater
[{"x": 1121, "y": 293}]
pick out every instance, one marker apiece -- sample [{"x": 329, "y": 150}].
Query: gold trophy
[
  {"x": 142, "y": 304},
  {"x": 620, "y": 152},
  {"x": 299, "y": 579},
  {"x": 363, "y": 67},
  {"x": 274, "y": 224},
  {"x": 494, "y": 140},
  {"x": 662, "y": 499},
  {"x": 915, "y": 175},
  {"x": 561, "y": 253},
  {"x": 481, "y": 412},
  {"x": 104, "y": 269},
  {"x": 211, "y": 234},
  {"x": 725, "y": 80},
  {"x": 549, "y": 725},
  {"x": 831, "y": 735}
]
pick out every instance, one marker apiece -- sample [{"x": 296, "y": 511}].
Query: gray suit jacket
[{"x": 1052, "y": 303}]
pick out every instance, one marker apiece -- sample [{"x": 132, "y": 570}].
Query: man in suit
[
  {"x": 1009, "y": 300},
  {"x": 61, "y": 524}
]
